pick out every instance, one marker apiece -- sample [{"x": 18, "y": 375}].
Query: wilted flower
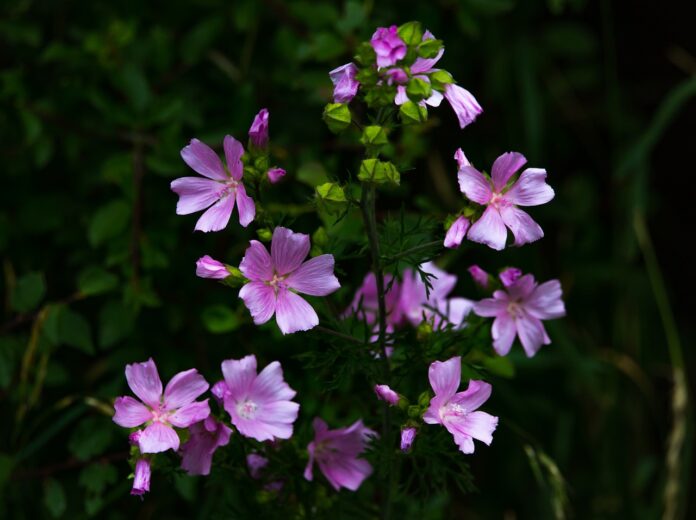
[
  {"x": 161, "y": 411},
  {"x": 260, "y": 405},
  {"x": 337, "y": 451},
  {"x": 457, "y": 411},
  {"x": 207, "y": 267},
  {"x": 388, "y": 46},
  {"x": 258, "y": 132},
  {"x": 276, "y": 279},
  {"x": 387, "y": 394},
  {"x": 501, "y": 201},
  {"x": 408, "y": 435},
  {"x": 345, "y": 84},
  {"x": 141, "y": 477},
  {"x": 518, "y": 311},
  {"x": 206, "y": 437},
  {"x": 219, "y": 191}
]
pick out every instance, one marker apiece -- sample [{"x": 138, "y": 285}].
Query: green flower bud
[
  {"x": 264, "y": 234},
  {"x": 424, "y": 330},
  {"x": 429, "y": 48},
  {"x": 424, "y": 399},
  {"x": 414, "y": 412},
  {"x": 337, "y": 117},
  {"x": 374, "y": 135},
  {"x": 331, "y": 198},
  {"x": 235, "y": 279},
  {"x": 412, "y": 113},
  {"x": 411, "y": 33},
  {"x": 418, "y": 89},
  {"x": 379, "y": 172}
]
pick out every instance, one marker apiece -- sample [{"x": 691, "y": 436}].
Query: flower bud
[
  {"x": 337, "y": 117},
  {"x": 379, "y": 172},
  {"x": 331, "y": 198},
  {"x": 275, "y": 174},
  {"x": 387, "y": 394},
  {"x": 141, "y": 480},
  {"x": 408, "y": 435},
  {"x": 258, "y": 133},
  {"x": 413, "y": 113},
  {"x": 207, "y": 267}
]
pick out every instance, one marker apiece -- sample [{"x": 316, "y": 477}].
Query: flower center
[
  {"x": 514, "y": 310},
  {"x": 498, "y": 201},
  {"x": 159, "y": 415},
  {"x": 247, "y": 409},
  {"x": 277, "y": 282},
  {"x": 452, "y": 410},
  {"x": 229, "y": 188}
]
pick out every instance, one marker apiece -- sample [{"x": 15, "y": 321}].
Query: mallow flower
[
  {"x": 258, "y": 132},
  {"x": 518, "y": 310},
  {"x": 141, "y": 477},
  {"x": 259, "y": 405},
  {"x": 502, "y": 198},
  {"x": 207, "y": 267},
  {"x": 344, "y": 82},
  {"x": 365, "y": 302},
  {"x": 160, "y": 411},
  {"x": 408, "y": 435},
  {"x": 388, "y": 46},
  {"x": 205, "y": 438},
  {"x": 464, "y": 104},
  {"x": 275, "y": 280},
  {"x": 220, "y": 188},
  {"x": 337, "y": 453},
  {"x": 458, "y": 411}
]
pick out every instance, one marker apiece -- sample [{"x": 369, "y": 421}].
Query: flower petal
[
  {"x": 435, "y": 99},
  {"x": 260, "y": 299},
  {"x": 288, "y": 249},
  {"x": 474, "y": 396},
  {"x": 456, "y": 233},
  {"x": 346, "y": 472},
  {"x": 401, "y": 96},
  {"x": 239, "y": 375},
  {"x": 489, "y": 230},
  {"x": 202, "y": 159},
  {"x": 245, "y": 206},
  {"x": 257, "y": 264},
  {"x": 130, "y": 412},
  {"x": 190, "y": 414},
  {"x": 491, "y": 307},
  {"x": 217, "y": 216},
  {"x": 530, "y": 189},
  {"x": 144, "y": 381},
  {"x": 184, "y": 388},
  {"x": 293, "y": 313},
  {"x": 474, "y": 185},
  {"x": 521, "y": 224},
  {"x": 463, "y": 103},
  {"x": 480, "y": 426},
  {"x": 233, "y": 155},
  {"x": 157, "y": 438},
  {"x": 315, "y": 277},
  {"x": 269, "y": 385},
  {"x": 445, "y": 376},
  {"x": 195, "y": 194},
  {"x": 503, "y": 332},
  {"x": 545, "y": 302},
  {"x": 505, "y": 167},
  {"x": 532, "y": 334}
]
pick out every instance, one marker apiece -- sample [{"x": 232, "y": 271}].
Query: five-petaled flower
[
  {"x": 519, "y": 309},
  {"x": 219, "y": 190},
  {"x": 275, "y": 280},
  {"x": 458, "y": 411},
  {"x": 177, "y": 406},
  {"x": 337, "y": 452}
]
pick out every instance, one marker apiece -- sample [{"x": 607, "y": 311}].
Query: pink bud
[
  {"x": 141, "y": 481},
  {"x": 479, "y": 275},
  {"x": 387, "y": 394},
  {"x": 258, "y": 133},
  {"x": 207, "y": 267},
  {"x": 275, "y": 174},
  {"x": 407, "y": 437},
  {"x": 510, "y": 276}
]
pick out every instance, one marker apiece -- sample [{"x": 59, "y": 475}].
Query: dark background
[{"x": 99, "y": 97}]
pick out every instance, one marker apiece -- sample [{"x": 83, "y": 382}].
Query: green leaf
[
  {"x": 96, "y": 477},
  {"x": 6, "y": 465},
  {"x": 412, "y": 113},
  {"x": 500, "y": 366},
  {"x": 108, "y": 222},
  {"x": 91, "y": 437},
  {"x": 219, "y": 319},
  {"x": 54, "y": 498},
  {"x": 66, "y": 327},
  {"x": 440, "y": 78},
  {"x": 337, "y": 117},
  {"x": 429, "y": 48},
  {"x": 418, "y": 89},
  {"x": 116, "y": 322},
  {"x": 95, "y": 280},
  {"x": 312, "y": 173},
  {"x": 200, "y": 39},
  {"x": 28, "y": 292},
  {"x": 411, "y": 33}
]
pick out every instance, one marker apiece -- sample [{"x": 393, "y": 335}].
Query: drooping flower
[
  {"x": 275, "y": 174},
  {"x": 219, "y": 190},
  {"x": 345, "y": 84},
  {"x": 408, "y": 435},
  {"x": 260, "y": 405},
  {"x": 456, "y": 233},
  {"x": 518, "y": 311},
  {"x": 258, "y": 132},
  {"x": 420, "y": 69},
  {"x": 205, "y": 437},
  {"x": 417, "y": 303},
  {"x": 141, "y": 477},
  {"x": 177, "y": 406},
  {"x": 388, "y": 46},
  {"x": 337, "y": 452},
  {"x": 276, "y": 279},
  {"x": 464, "y": 104},
  {"x": 501, "y": 201},
  {"x": 387, "y": 394},
  {"x": 458, "y": 411},
  {"x": 207, "y": 267},
  {"x": 481, "y": 277}
]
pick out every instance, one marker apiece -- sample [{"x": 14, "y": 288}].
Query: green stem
[{"x": 346, "y": 337}]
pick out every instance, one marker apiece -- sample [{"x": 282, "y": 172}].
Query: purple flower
[
  {"x": 207, "y": 267},
  {"x": 141, "y": 478},
  {"x": 258, "y": 132},
  {"x": 336, "y": 452},
  {"x": 456, "y": 233},
  {"x": 387, "y": 394},
  {"x": 456, "y": 411},
  {"x": 481, "y": 277},
  {"x": 420, "y": 69},
  {"x": 509, "y": 276},
  {"x": 501, "y": 201},
  {"x": 206, "y": 437},
  {"x": 408, "y": 435},
  {"x": 518, "y": 311},
  {"x": 275, "y": 174},
  {"x": 463, "y": 103},
  {"x": 461, "y": 158},
  {"x": 276, "y": 279},
  {"x": 388, "y": 46},
  {"x": 365, "y": 301},
  {"x": 218, "y": 191},
  {"x": 256, "y": 463},
  {"x": 219, "y": 391},
  {"x": 260, "y": 405},
  {"x": 161, "y": 411},
  {"x": 345, "y": 84}
]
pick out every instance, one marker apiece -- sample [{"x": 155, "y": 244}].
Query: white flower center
[
  {"x": 452, "y": 409},
  {"x": 247, "y": 409},
  {"x": 229, "y": 188},
  {"x": 514, "y": 310}
]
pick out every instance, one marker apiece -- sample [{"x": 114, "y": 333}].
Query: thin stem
[{"x": 338, "y": 334}]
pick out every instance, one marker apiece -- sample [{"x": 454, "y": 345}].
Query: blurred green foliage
[{"x": 97, "y": 100}]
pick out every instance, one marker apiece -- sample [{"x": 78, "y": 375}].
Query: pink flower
[
  {"x": 206, "y": 437},
  {"x": 461, "y": 158},
  {"x": 276, "y": 279},
  {"x": 219, "y": 191},
  {"x": 207, "y": 267},
  {"x": 481, "y": 277},
  {"x": 275, "y": 174},
  {"x": 388, "y": 46},
  {"x": 258, "y": 132},
  {"x": 387, "y": 394},
  {"x": 433, "y": 305},
  {"x": 141, "y": 477},
  {"x": 256, "y": 463},
  {"x": 345, "y": 84},
  {"x": 365, "y": 302},
  {"x": 161, "y": 411},
  {"x": 463, "y": 103},
  {"x": 518, "y": 311},
  {"x": 408, "y": 435},
  {"x": 456, "y": 233},
  {"x": 336, "y": 452},
  {"x": 260, "y": 405},
  {"x": 501, "y": 201},
  {"x": 420, "y": 69},
  {"x": 456, "y": 411},
  {"x": 509, "y": 276}
]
